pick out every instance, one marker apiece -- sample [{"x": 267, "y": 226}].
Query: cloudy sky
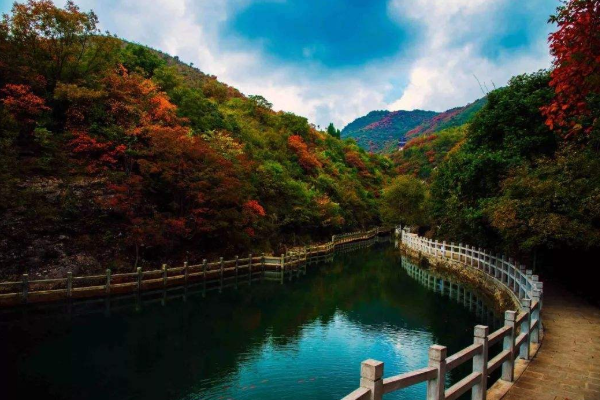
[{"x": 335, "y": 60}]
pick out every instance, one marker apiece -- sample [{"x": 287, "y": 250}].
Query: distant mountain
[
  {"x": 382, "y": 130},
  {"x": 454, "y": 117}
]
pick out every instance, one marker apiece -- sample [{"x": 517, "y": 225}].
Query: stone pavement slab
[{"x": 567, "y": 366}]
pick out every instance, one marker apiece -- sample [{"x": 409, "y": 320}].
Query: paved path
[{"x": 567, "y": 366}]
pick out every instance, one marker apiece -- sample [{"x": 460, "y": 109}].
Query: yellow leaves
[
  {"x": 224, "y": 144},
  {"x": 76, "y": 93}
]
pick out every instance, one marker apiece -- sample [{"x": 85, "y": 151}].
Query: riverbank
[
  {"x": 473, "y": 278},
  {"x": 520, "y": 336},
  {"x": 211, "y": 275},
  {"x": 269, "y": 341}
]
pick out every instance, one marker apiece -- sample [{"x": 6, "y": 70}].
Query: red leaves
[
  {"x": 430, "y": 155},
  {"x": 167, "y": 184},
  {"x": 22, "y": 104},
  {"x": 97, "y": 153},
  {"x": 353, "y": 159},
  {"x": 253, "y": 207},
  {"x": 575, "y": 46},
  {"x": 307, "y": 160}
]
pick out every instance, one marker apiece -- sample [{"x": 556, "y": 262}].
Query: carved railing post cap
[
  {"x": 510, "y": 315},
  {"x": 371, "y": 369},
  {"x": 437, "y": 352},
  {"x": 481, "y": 331}
]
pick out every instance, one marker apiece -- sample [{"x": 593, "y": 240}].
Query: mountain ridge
[{"x": 383, "y": 130}]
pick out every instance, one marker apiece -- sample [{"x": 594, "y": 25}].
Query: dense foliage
[
  {"x": 576, "y": 76},
  {"x": 421, "y": 155},
  {"x": 112, "y": 145},
  {"x": 405, "y": 201},
  {"x": 385, "y": 131},
  {"x": 526, "y": 177},
  {"x": 382, "y": 131},
  {"x": 508, "y": 132},
  {"x": 454, "y": 117}
]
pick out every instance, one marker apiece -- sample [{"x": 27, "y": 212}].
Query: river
[{"x": 304, "y": 339}]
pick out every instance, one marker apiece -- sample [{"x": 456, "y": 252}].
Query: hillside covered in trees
[
  {"x": 113, "y": 154},
  {"x": 523, "y": 177},
  {"x": 386, "y": 131},
  {"x": 383, "y": 130}
]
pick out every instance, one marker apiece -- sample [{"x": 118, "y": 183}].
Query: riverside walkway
[{"x": 567, "y": 366}]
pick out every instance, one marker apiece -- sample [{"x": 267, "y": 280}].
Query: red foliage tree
[
  {"x": 307, "y": 160},
  {"x": 576, "y": 76},
  {"x": 169, "y": 185},
  {"x": 353, "y": 159},
  {"x": 23, "y": 105}
]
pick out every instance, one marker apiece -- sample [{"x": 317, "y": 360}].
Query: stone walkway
[{"x": 567, "y": 366}]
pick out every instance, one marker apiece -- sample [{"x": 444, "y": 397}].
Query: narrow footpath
[{"x": 567, "y": 366}]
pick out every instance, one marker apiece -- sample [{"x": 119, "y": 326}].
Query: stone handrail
[
  {"x": 211, "y": 275},
  {"x": 520, "y": 331}
]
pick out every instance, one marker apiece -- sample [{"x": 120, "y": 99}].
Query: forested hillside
[
  {"x": 448, "y": 119},
  {"x": 113, "y": 154},
  {"x": 523, "y": 177},
  {"x": 421, "y": 155},
  {"x": 386, "y": 131}
]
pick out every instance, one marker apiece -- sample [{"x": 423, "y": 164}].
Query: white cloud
[
  {"x": 451, "y": 58},
  {"x": 449, "y": 79},
  {"x": 439, "y": 75}
]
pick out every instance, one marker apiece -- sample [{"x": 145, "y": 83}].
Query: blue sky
[{"x": 335, "y": 60}]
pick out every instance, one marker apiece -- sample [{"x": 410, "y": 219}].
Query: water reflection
[
  {"x": 302, "y": 339},
  {"x": 455, "y": 291}
]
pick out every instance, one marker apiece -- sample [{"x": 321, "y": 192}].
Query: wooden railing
[
  {"x": 211, "y": 275},
  {"x": 521, "y": 329}
]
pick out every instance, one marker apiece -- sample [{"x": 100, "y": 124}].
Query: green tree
[
  {"x": 331, "y": 130},
  {"x": 508, "y": 132},
  {"x": 260, "y": 101},
  {"x": 405, "y": 201}
]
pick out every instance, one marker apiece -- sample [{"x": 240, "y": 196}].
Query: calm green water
[{"x": 303, "y": 339}]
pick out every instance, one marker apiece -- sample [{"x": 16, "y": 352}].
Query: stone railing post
[
  {"x": 528, "y": 275},
  {"x": 222, "y": 272},
  {"x": 371, "y": 377},
  {"x": 139, "y": 279},
  {"x": 107, "y": 286},
  {"x": 185, "y": 273},
  {"x": 540, "y": 287},
  {"x": 525, "y": 325},
  {"x": 437, "y": 359},
  {"x": 282, "y": 264},
  {"x": 250, "y": 269},
  {"x": 25, "y": 287},
  {"x": 535, "y": 315},
  {"x": 237, "y": 266},
  {"x": 204, "y": 266},
  {"x": 508, "y": 370},
  {"x": 69, "y": 284},
  {"x": 480, "y": 362}
]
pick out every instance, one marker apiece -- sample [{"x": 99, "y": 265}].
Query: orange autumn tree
[
  {"x": 576, "y": 77},
  {"x": 168, "y": 183},
  {"x": 43, "y": 44},
  {"x": 23, "y": 105},
  {"x": 306, "y": 159}
]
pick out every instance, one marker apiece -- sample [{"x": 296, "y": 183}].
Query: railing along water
[
  {"x": 521, "y": 329},
  {"x": 210, "y": 275}
]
